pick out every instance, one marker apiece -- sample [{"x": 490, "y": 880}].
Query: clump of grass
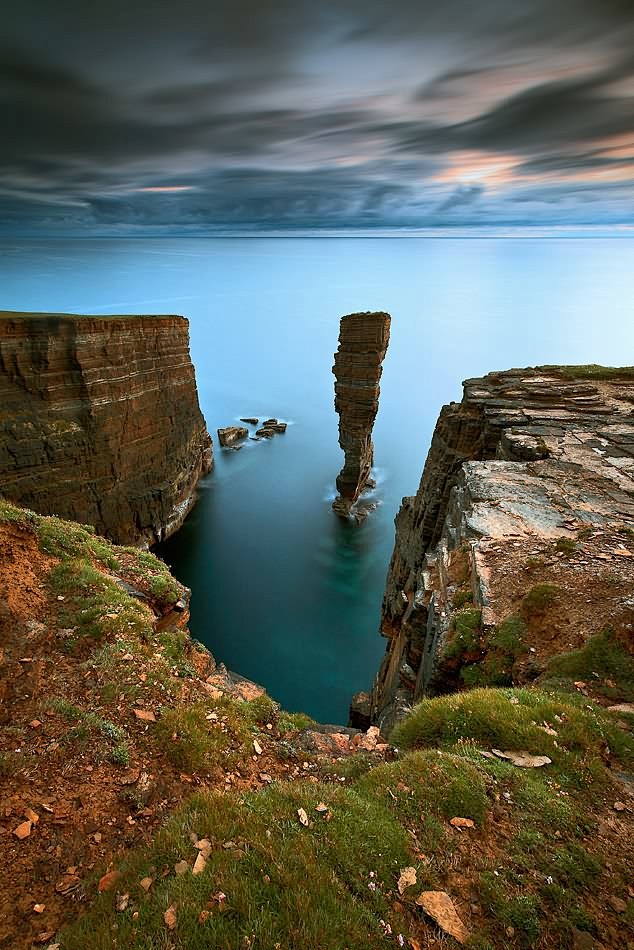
[
  {"x": 503, "y": 647},
  {"x": 89, "y": 724},
  {"x": 538, "y": 599},
  {"x": 95, "y": 605},
  {"x": 194, "y": 742},
  {"x": 464, "y": 633},
  {"x": 602, "y": 658},
  {"x": 12, "y": 514},
  {"x": 487, "y": 718},
  {"x": 461, "y": 598},
  {"x": 565, "y": 546}
]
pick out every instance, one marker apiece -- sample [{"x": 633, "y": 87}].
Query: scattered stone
[
  {"x": 145, "y": 715},
  {"x": 23, "y": 830},
  {"x": 622, "y": 708},
  {"x": 199, "y": 864},
  {"x": 461, "y": 823},
  {"x": 108, "y": 880},
  {"x": 181, "y": 867},
  {"x": 122, "y": 902},
  {"x": 406, "y": 878},
  {"x": 145, "y": 883},
  {"x": 439, "y": 906},
  {"x": 619, "y": 806},
  {"x": 257, "y": 747},
  {"x": 522, "y": 759},
  {"x": 303, "y": 817},
  {"x": 170, "y": 917},
  {"x": 617, "y": 904},
  {"x": 39, "y": 908}
]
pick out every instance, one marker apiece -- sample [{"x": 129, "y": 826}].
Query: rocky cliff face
[
  {"x": 528, "y": 484},
  {"x": 363, "y": 341},
  {"x": 100, "y": 422}
]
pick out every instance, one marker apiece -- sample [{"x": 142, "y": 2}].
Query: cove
[{"x": 284, "y": 592}]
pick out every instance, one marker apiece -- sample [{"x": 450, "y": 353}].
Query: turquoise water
[{"x": 283, "y": 591}]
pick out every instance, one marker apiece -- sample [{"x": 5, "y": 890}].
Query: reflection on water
[{"x": 285, "y": 592}]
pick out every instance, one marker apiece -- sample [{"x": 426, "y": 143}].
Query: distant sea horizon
[{"x": 284, "y": 592}]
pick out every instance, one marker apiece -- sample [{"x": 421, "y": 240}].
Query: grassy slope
[{"x": 535, "y": 865}]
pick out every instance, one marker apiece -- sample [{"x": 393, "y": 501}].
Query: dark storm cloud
[{"x": 290, "y": 113}]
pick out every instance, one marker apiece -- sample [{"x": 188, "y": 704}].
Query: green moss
[
  {"x": 565, "y": 546},
  {"x": 461, "y": 598},
  {"x": 538, "y": 599},
  {"x": 602, "y": 658},
  {"x": 464, "y": 633},
  {"x": 284, "y": 884}
]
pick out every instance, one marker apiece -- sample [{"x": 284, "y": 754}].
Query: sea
[{"x": 284, "y": 591}]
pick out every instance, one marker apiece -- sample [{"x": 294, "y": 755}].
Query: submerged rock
[
  {"x": 231, "y": 434},
  {"x": 363, "y": 341},
  {"x": 251, "y": 420}
]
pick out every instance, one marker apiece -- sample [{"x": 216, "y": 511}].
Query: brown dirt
[{"x": 89, "y": 811}]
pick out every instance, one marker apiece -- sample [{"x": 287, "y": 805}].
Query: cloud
[{"x": 292, "y": 113}]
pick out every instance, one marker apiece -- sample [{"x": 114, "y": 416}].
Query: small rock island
[{"x": 363, "y": 342}]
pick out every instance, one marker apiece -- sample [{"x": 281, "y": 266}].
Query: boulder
[{"x": 231, "y": 434}]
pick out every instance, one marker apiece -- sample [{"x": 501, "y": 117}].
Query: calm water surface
[{"x": 284, "y": 592}]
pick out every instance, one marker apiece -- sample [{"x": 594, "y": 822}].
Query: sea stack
[{"x": 363, "y": 341}]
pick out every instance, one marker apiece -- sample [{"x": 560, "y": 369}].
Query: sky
[{"x": 204, "y": 116}]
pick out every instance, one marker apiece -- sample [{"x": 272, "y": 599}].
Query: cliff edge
[
  {"x": 100, "y": 421},
  {"x": 518, "y": 544}
]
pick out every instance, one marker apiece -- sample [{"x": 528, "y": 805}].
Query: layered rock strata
[
  {"x": 363, "y": 342},
  {"x": 100, "y": 421},
  {"x": 529, "y": 478}
]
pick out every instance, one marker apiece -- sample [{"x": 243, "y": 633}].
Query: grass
[
  {"x": 566, "y": 546},
  {"x": 538, "y": 599},
  {"x": 89, "y": 725},
  {"x": 283, "y": 884},
  {"x": 593, "y": 371},
  {"x": 464, "y": 633},
  {"x": 486, "y": 719},
  {"x": 94, "y": 605},
  {"x": 601, "y": 659},
  {"x": 333, "y": 884}
]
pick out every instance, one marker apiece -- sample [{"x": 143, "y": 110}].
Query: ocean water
[{"x": 283, "y": 591}]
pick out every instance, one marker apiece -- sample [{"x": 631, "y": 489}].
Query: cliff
[
  {"x": 100, "y": 422},
  {"x": 527, "y": 495},
  {"x": 363, "y": 342}
]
